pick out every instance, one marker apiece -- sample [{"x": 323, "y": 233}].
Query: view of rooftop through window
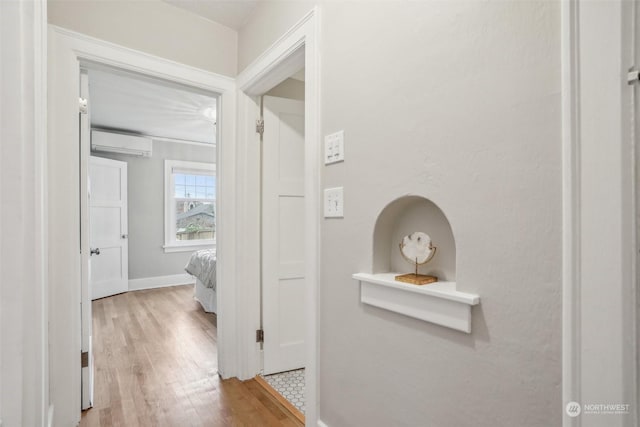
[{"x": 195, "y": 206}]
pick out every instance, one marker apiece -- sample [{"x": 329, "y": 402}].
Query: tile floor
[{"x": 290, "y": 385}]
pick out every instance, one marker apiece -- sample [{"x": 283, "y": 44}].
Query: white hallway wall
[
  {"x": 154, "y": 27},
  {"x": 459, "y": 102},
  {"x": 474, "y": 357}
]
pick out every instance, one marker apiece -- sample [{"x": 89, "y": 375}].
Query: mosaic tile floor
[{"x": 290, "y": 385}]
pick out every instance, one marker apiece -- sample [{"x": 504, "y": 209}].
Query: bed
[{"x": 202, "y": 265}]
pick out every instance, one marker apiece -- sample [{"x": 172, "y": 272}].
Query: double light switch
[
  {"x": 334, "y": 153},
  {"x": 334, "y": 148}
]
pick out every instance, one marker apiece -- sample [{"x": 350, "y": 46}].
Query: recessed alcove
[
  {"x": 439, "y": 302},
  {"x": 403, "y": 216}
]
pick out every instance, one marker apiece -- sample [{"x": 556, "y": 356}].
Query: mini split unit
[{"x": 120, "y": 143}]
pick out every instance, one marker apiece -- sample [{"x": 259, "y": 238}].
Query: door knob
[
  {"x": 124, "y": 236},
  {"x": 95, "y": 251}
]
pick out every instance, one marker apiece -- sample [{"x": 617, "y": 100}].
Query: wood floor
[{"x": 155, "y": 365}]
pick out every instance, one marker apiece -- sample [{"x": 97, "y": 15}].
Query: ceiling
[
  {"x": 140, "y": 105},
  {"x": 230, "y": 13}
]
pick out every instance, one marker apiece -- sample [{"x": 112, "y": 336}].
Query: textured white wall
[
  {"x": 458, "y": 102},
  {"x": 154, "y": 27},
  {"x": 146, "y": 207}
]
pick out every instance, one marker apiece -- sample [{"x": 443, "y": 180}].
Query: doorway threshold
[{"x": 288, "y": 389}]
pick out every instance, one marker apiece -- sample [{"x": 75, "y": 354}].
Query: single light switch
[
  {"x": 334, "y": 202},
  {"x": 334, "y": 148}
]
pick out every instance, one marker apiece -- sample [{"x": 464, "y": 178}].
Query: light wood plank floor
[{"x": 155, "y": 365}]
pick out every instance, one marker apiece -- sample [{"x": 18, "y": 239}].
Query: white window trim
[{"x": 169, "y": 207}]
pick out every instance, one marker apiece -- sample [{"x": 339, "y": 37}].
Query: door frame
[
  {"x": 598, "y": 165},
  {"x": 24, "y": 329},
  {"x": 69, "y": 50},
  {"x": 85, "y": 226},
  {"x": 298, "y": 47}
]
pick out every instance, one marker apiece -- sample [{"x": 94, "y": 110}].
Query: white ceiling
[
  {"x": 230, "y": 13},
  {"x": 144, "y": 106}
]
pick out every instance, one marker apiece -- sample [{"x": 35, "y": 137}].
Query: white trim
[
  {"x": 205, "y": 244},
  {"x": 187, "y": 165},
  {"x": 68, "y": 50},
  {"x": 121, "y": 57},
  {"x": 283, "y": 59},
  {"x": 322, "y": 424},
  {"x": 599, "y": 299},
  {"x": 272, "y": 66},
  {"x": 86, "y": 310},
  {"x": 40, "y": 118},
  {"x": 635, "y": 189},
  {"x": 24, "y": 364},
  {"x": 50, "y": 414},
  {"x": 571, "y": 209},
  {"x": 161, "y": 281}
]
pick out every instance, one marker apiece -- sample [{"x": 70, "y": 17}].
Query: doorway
[
  {"x": 68, "y": 51},
  {"x": 295, "y": 50},
  {"x": 283, "y": 282},
  {"x": 148, "y": 181}
]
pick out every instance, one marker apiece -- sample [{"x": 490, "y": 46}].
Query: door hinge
[
  {"x": 633, "y": 76},
  {"x": 260, "y": 335},
  {"x": 84, "y": 359},
  {"x": 260, "y": 126},
  {"x": 84, "y": 108}
]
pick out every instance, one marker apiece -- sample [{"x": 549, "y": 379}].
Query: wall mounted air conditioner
[{"x": 120, "y": 143}]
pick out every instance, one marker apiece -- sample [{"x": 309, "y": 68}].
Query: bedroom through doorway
[{"x": 148, "y": 199}]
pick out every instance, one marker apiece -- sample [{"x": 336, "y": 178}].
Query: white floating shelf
[{"x": 438, "y": 303}]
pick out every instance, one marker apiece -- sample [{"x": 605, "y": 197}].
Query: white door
[
  {"x": 283, "y": 281},
  {"x": 108, "y": 227}
]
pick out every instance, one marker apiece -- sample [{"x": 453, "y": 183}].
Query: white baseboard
[
  {"x": 321, "y": 424},
  {"x": 161, "y": 281}
]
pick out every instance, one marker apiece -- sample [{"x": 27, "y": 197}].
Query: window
[{"x": 190, "y": 205}]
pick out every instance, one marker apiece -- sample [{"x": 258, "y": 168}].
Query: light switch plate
[
  {"x": 334, "y": 148},
  {"x": 334, "y": 202}
]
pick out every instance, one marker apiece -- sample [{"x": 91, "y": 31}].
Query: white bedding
[
  {"x": 202, "y": 265},
  {"x": 207, "y": 297}
]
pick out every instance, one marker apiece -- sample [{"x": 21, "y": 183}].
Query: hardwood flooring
[{"x": 155, "y": 365}]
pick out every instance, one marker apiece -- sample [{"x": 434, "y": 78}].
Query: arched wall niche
[
  {"x": 440, "y": 302},
  {"x": 404, "y": 216}
]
